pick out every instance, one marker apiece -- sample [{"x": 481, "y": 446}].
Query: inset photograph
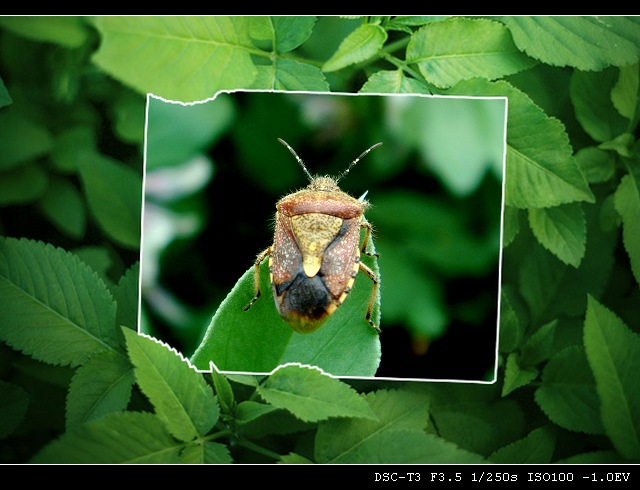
[{"x": 356, "y": 233}]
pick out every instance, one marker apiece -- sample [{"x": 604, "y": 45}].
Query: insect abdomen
[{"x": 303, "y": 302}]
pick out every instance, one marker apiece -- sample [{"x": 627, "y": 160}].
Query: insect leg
[
  {"x": 367, "y": 237},
  {"x": 374, "y": 291},
  {"x": 256, "y": 276}
]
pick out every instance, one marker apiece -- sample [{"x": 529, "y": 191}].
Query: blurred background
[{"x": 215, "y": 170}]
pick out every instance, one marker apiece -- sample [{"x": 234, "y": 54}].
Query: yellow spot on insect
[{"x": 311, "y": 265}]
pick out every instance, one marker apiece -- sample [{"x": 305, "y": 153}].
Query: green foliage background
[{"x": 77, "y": 384}]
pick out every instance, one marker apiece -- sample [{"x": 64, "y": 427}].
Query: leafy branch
[{"x": 71, "y": 155}]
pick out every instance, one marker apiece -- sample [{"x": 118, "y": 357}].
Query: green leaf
[
  {"x": 360, "y": 45},
  {"x": 466, "y": 420},
  {"x": 538, "y": 346},
  {"x": 72, "y": 147},
  {"x": 511, "y": 225},
  {"x": 536, "y": 448},
  {"x": 293, "y": 458},
  {"x": 458, "y": 49},
  {"x": 186, "y": 58},
  {"x": 591, "y": 97},
  {"x": 562, "y": 230},
  {"x": 285, "y": 32},
  {"x": 625, "y": 94},
  {"x": 391, "y": 409},
  {"x": 257, "y": 420},
  {"x": 587, "y": 43},
  {"x": 511, "y": 327},
  {"x": 396, "y": 437},
  {"x": 402, "y": 22},
  {"x": 248, "y": 411},
  {"x": 394, "y": 82},
  {"x": 114, "y": 195},
  {"x": 223, "y": 390},
  {"x": 544, "y": 282},
  {"x": 54, "y": 307},
  {"x": 515, "y": 375},
  {"x": 100, "y": 259},
  {"x": 427, "y": 315},
  {"x": 539, "y": 280},
  {"x": 66, "y": 31},
  {"x": 258, "y": 340},
  {"x": 567, "y": 394},
  {"x": 438, "y": 232},
  {"x": 5, "y": 98},
  {"x": 177, "y": 132},
  {"x": 459, "y": 139},
  {"x": 594, "y": 458},
  {"x": 63, "y": 205},
  {"x": 438, "y": 225},
  {"x": 612, "y": 349},
  {"x": 129, "y": 116},
  {"x": 622, "y": 144},
  {"x": 244, "y": 379},
  {"x": 126, "y": 296},
  {"x": 14, "y": 402},
  {"x": 124, "y": 437},
  {"x": 627, "y": 204},
  {"x": 100, "y": 386},
  {"x": 286, "y": 74},
  {"x": 406, "y": 446},
  {"x": 597, "y": 165},
  {"x": 541, "y": 171},
  {"x": 23, "y": 184},
  {"x": 23, "y": 139},
  {"x": 312, "y": 395},
  {"x": 253, "y": 341},
  {"x": 292, "y": 31},
  {"x": 206, "y": 453},
  {"x": 181, "y": 397}
]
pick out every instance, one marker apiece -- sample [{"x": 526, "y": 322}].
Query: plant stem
[
  {"x": 258, "y": 449},
  {"x": 397, "y": 44},
  {"x": 218, "y": 435},
  {"x": 403, "y": 66}
]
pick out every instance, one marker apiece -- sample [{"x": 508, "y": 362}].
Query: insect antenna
[
  {"x": 353, "y": 164},
  {"x": 297, "y": 158}
]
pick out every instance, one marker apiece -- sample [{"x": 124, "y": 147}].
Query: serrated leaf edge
[{"x": 164, "y": 344}]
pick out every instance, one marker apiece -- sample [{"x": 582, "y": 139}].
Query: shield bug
[{"x": 315, "y": 255}]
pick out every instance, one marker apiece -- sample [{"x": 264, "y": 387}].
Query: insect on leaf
[{"x": 258, "y": 340}]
